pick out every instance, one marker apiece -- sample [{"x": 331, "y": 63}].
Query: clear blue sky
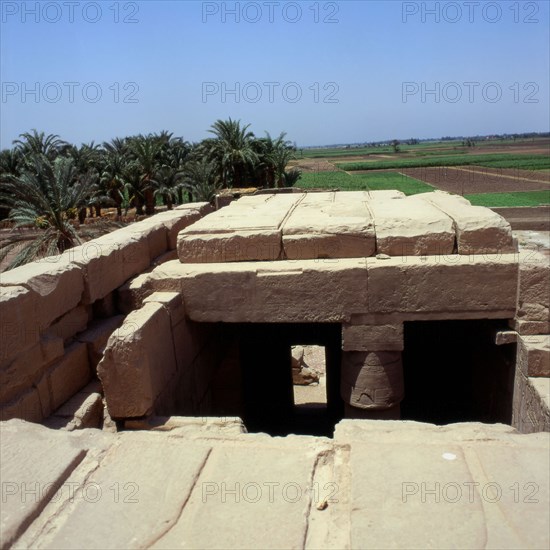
[{"x": 364, "y": 69}]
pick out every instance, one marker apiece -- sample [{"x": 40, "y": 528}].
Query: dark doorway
[
  {"x": 268, "y": 398},
  {"x": 454, "y": 372}
]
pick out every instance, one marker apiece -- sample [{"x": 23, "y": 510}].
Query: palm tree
[
  {"x": 35, "y": 143},
  {"x": 232, "y": 151},
  {"x": 146, "y": 151},
  {"x": 46, "y": 196},
  {"x": 202, "y": 179},
  {"x": 114, "y": 164},
  {"x": 168, "y": 181},
  {"x": 291, "y": 177},
  {"x": 282, "y": 153}
]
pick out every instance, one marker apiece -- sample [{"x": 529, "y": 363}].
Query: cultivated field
[{"x": 500, "y": 173}]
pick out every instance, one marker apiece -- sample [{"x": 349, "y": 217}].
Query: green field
[
  {"x": 519, "y": 198},
  {"x": 410, "y": 186},
  {"x": 495, "y": 160},
  {"x": 367, "y": 182}
]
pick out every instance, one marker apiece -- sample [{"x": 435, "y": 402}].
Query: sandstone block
[
  {"x": 208, "y": 513},
  {"x": 83, "y": 410},
  {"x": 138, "y": 362},
  {"x": 19, "y": 327},
  {"x": 308, "y": 291},
  {"x": 406, "y": 226},
  {"x": 444, "y": 284},
  {"x": 479, "y": 230},
  {"x": 135, "y": 463},
  {"x": 203, "y": 208},
  {"x": 28, "y": 367},
  {"x": 372, "y": 380},
  {"x": 176, "y": 220},
  {"x": 71, "y": 323},
  {"x": 34, "y": 460},
  {"x": 248, "y": 229},
  {"x": 330, "y": 225},
  {"x": 530, "y": 327},
  {"x": 153, "y": 230},
  {"x": 173, "y": 303},
  {"x": 58, "y": 286},
  {"x": 234, "y": 246},
  {"x": 372, "y": 337},
  {"x": 97, "y": 335},
  {"x": 534, "y": 289},
  {"x": 69, "y": 375},
  {"x": 108, "y": 262},
  {"x": 26, "y": 406},
  {"x": 534, "y": 355},
  {"x": 131, "y": 294}
]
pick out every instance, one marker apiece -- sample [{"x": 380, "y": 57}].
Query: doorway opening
[
  {"x": 272, "y": 403},
  {"x": 454, "y": 372}
]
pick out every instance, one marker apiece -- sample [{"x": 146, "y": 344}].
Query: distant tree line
[{"x": 52, "y": 186}]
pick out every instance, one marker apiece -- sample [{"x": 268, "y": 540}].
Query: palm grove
[{"x": 51, "y": 186}]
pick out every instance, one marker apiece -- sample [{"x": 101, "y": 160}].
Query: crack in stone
[{"x": 151, "y": 542}]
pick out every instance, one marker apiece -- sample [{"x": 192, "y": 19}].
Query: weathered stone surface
[
  {"x": 153, "y": 230},
  {"x": 172, "y": 301},
  {"x": 71, "y": 323},
  {"x": 435, "y": 486},
  {"x": 138, "y": 362},
  {"x": 372, "y": 337},
  {"x": 235, "y": 246},
  {"x": 132, "y": 293},
  {"x": 542, "y": 388},
  {"x": 97, "y": 335},
  {"x": 376, "y": 485},
  {"x": 372, "y": 380},
  {"x": 28, "y": 367},
  {"x": 189, "y": 427},
  {"x": 144, "y": 509},
  {"x": 109, "y": 261},
  {"x": 34, "y": 465},
  {"x": 408, "y": 227},
  {"x": 70, "y": 374},
  {"x": 330, "y": 225},
  {"x": 19, "y": 329},
  {"x": 57, "y": 285},
  {"x": 479, "y": 230},
  {"x": 534, "y": 355},
  {"x": 531, "y": 399},
  {"x": 83, "y": 410},
  {"x": 176, "y": 220},
  {"x": 504, "y": 337},
  {"x": 26, "y": 406},
  {"x": 248, "y": 229},
  {"x": 447, "y": 284},
  {"x": 311, "y": 291},
  {"x": 534, "y": 293},
  {"x": 213, "y": 509}
]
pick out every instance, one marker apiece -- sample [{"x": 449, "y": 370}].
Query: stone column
[{"x": 372, "y": 371}]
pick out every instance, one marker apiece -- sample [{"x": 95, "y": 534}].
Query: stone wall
[
  {"x": 58, "y": 313},
  {"x": 531, "y": 407},
  {"x": 160, "y": 363}
]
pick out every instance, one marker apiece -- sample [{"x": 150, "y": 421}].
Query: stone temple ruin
[{"x": 168, "y": 332}]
